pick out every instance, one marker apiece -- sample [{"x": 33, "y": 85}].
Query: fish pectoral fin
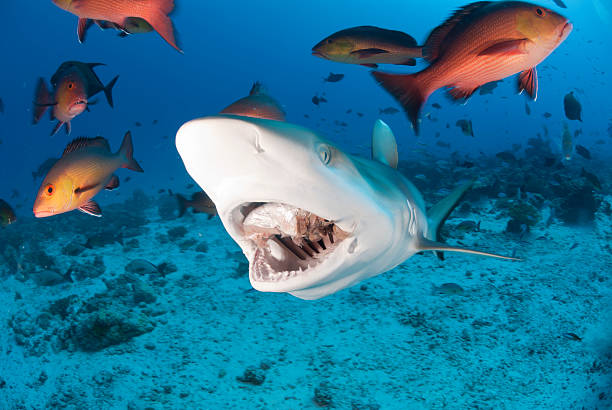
[
  {"x": 424, "y": 244},
  {"x": 80, "y": 190},
  {"x": 113, "y": 183},
  {"x": 91, "y": 208},
  {"x": 82, "y": 27},
  {"x": 506, "y": 48},
  {"x": 368, "y": 52},
  {"x": 459, "y": 93},
  {"x": 528, "y": 82},
  {"x": 57, "y": 127}
]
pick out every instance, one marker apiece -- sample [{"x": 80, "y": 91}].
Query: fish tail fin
[
  {"x": 157, "y": 17},
  {"x": 437, "y": 214},
  {"x": 408, "y": 90},
  {"x": 127, "y": 152},
  {"x": 182, "y": 202},
  {"x": 42, "y": 100},
  {"x": 108, "y": 91}
]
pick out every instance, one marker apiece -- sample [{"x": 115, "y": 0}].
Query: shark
[{"x": 311, "y": 219}]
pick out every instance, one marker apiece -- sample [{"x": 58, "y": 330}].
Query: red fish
[
  {"x": 257, "y": 104},
  {"x": 122, "y": 13},
  {"x": 73, "y": 84},
  {"x": 482, "y": 42}
]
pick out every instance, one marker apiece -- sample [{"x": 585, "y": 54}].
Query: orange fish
[
  {"x": 73, "y": 84},
  {"x": 200, "y": 202},
  {"x": 482, "y": 42},
  {"x": 85, "y": 168},
  {"x": 257, "y": 104},
  {"x": 123, "y": 13}
]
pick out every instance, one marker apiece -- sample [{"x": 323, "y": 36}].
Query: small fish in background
[
  {"x": 138, "y": 124},
  {"x": 258, "y": 104},
  {"x": 85, "y": 168},
  {"x": 125, "y": 15},
  {"x": 7, "y": 214},
  {"x": 154, "y": 122},
  {"x": 436, "y": 106},
  {"x": 583, "y": 152},
  {"x": 468, "y": 226},
  {"x": 489, "y": 87},
  {"x": 517, "y": 36},
  {"x": 316, "y": 100},
  {"x": 74, "y": 83},
  {"x": 447, "y": 289},
  {"x": 369, "y": 46},
  {"x": 200, "y": 202},
  {"x": 567, "y": 143},
  {"x": 360, "y": 114},
  {"x": 572, "y": 107},
  {"x": 466, "y": 127},
  {"x": 547, "y": 115},
  {"x": 506, "y": 156},
  {"x": 577, "y": 133},
  {"x": 388, "y": 110},
  {"x": 333, "y": 78},
  {"x": 527, "y": 109},
  {"x": 592, "y": 178},
  {"x": 44, "y": 168},
  {"x": 560, "y": 4},
  {"x": 1, "y": 106}
]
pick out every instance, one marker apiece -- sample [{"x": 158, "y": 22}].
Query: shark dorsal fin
[
  {"x": 384, "y": 146},
  {"x": 425, "y": 244}
]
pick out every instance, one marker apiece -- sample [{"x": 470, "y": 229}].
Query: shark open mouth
[{"x": 288, "y": 240}]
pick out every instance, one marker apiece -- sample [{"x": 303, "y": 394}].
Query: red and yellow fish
[
  {"x": 258, "y": 104},
  {"x": 123, "y": 14},
  {"x": 482, "y": 42},
  {"x": 73, "y": 84},
  {"x": 86, "y": 167},
  {"x": 200, "y": 202}
]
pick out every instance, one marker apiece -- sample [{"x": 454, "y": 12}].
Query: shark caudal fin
[
  {"x": 437, "y": 215},
  {"x": 384, "y": 146}
]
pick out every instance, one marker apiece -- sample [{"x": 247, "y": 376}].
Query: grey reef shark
[{"x": 311, "y": 219}]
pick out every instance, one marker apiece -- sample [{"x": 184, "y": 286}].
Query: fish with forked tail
[
  {"x": 482, "y": 42},
  {"x": 369, "y": 46},
  {"x": 73, "y": 84},
  {"x": 200, "y": 202},
  {"x": 124, "y": 15},
  {"x": 85, "y": 168}
]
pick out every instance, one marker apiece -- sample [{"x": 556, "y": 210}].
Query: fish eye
[
  {"x": 540, "y": 12},
  {"x": 50, "y": 189},
  {"x": 69, "y": 85},
  {"x": 324, "y": 153}
]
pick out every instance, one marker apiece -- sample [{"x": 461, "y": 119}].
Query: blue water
[{"x": 226, "y": 48}]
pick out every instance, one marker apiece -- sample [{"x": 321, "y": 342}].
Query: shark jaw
[{"x": 307, "y": 217}]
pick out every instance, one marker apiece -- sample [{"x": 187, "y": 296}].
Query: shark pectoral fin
[
  {"x": 425, "y": 244},
  {"x": 438, "y": 213},
  {"x": 384, "y": 146}
]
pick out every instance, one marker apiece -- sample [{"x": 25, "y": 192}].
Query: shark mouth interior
[{"x": 288, "y": 240}]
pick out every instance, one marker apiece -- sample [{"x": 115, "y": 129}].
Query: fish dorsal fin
[
  {"x": 384, "y": 146},
  {"x": 424, "y": 244},
  {"x": 435, "y": 41},
  {"x": 84, "y": 142},
  {"x": 258, "y": 88}
]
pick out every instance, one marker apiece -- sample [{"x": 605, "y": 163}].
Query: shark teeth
[{"x": 289, "y": 241}]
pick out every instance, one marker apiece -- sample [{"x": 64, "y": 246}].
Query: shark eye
[{"x": 324, "y": 153}]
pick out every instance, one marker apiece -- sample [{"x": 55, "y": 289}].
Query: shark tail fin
[
  {"x": 437, "y": 214},
  {"x": 425, "y": 244}
]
